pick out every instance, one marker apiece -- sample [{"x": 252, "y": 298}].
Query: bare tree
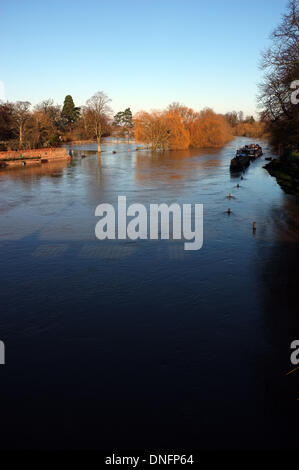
[
  {"x": 98, "y": 113},
  {"x": 52, "y": 110},
  {"x": 21, "y": 114},
  {"x": 281, "y": 66}
]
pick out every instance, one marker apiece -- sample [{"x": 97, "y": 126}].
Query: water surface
[{"x": 122, "y": 344}]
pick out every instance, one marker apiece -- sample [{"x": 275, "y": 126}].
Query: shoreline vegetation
[
  {"x": 286, "y": 172},
  {"x": 23, "y": 127},
  {"x": 179, "y": 128},
  {"x": 279, "y": 98}
]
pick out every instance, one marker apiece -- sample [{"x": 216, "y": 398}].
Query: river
[{"x": 140, "y": 344}]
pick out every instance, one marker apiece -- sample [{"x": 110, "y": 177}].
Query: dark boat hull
[
  {"x": 244, "y": 156},
  {"x": 239, "y": 163}
]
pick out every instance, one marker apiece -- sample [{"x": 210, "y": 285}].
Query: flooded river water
[{"x": 140, "y": 344}]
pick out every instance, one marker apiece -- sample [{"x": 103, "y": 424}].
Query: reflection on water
[
  {"x": 141, "y": 344},
  {"x": 174, "y": 165}
]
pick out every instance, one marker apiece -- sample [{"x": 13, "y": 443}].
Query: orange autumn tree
[
  {"x": 180, "y": 127},
  {"x": 179, "y": 136},
  {"x": 187, "y": 115},
  {"x": 250, "y": 129},
  {"x": 210, "y": 130},
  {"x": 151, "y": 129},
  {"x": 162, "y": 130}
]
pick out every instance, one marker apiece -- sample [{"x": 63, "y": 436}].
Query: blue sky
[{"x": 144, "y": 54}]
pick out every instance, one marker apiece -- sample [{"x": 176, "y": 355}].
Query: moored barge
[{"x": 244, "y": 156}]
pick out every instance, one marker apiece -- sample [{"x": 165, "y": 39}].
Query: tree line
[
  {"x": 48, "y": 124},
  {"x": 178, "y": 127}
]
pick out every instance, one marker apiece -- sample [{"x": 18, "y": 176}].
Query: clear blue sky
[{"x": 142, "y": 53}]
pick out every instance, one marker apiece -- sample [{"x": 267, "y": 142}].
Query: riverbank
[
  {"x": 19, "y": 158},
  {"x": 286, "y": 172}
]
